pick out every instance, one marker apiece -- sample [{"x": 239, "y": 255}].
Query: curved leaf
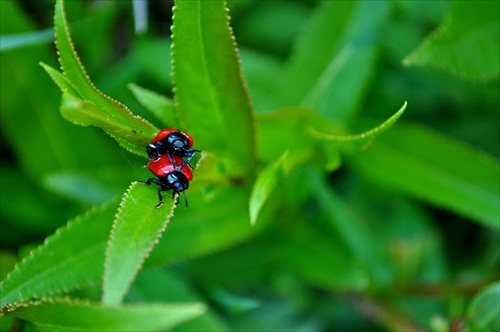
[
  {"x": 87, "y": 113},
  {"x": 211, "y": 97},
  {"x": 136, "y": 229},
  {"x": 265, "y": 184},
  {"x": 70, "y": 258},
  {"x": 466, "y": 44},
  {"x": 133, "y": 130},
  {"x": 73, "y": 315},
  {"x": 61, "y": 81},
  {"x": 363, "y": 137}
]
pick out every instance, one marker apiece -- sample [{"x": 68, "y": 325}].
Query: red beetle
[
  {"x": 174, "y": 142},
  {"x": 172, "y": 174}
]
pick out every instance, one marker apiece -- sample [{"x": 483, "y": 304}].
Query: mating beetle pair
[{"x": 170, "y": 154}]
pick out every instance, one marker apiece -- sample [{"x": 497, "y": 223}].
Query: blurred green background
[{"x": 52, "y": 170}]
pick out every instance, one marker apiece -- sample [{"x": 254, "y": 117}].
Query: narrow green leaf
[
  {"x": 87, "y": 113},
  {"x": 363, "y": 137},
  {"x": 73, "y": 315},
  {"x": 160, "y": 106},
  {"x": 483, "y": 311},
  {"x": 265, "y": 184},
  {"x": 350, "y": 228},
  {"x": 211, "y": 97},
  {"x": 421, "y": 163},
  {"x": 135, "y": 131},
  {"x": 70, "y": 258},
  {"x": 136, "y": 229},
  {"x": 466, "y": 44},
  {"x": 61, "y": 81}
]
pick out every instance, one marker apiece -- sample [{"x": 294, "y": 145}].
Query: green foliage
[
  {"x": 466, "y": 44},
  {"x": 84, "y": 104},
  {"x": 72, "y": 257},
  {"x": 73, "y": 315},
  {"x": 137, "y": 227},
  {"x": 311, "y": 208},
  {"x": 265, "y": 184},
  {"x": 210, "y": 97},
  {"x": 160, "y": 106}
]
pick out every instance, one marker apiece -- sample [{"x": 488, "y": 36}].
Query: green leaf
[
  {"x": 87, "y": 113},
  {"x": 136, "y": 229},
  {"x": 160, "y": 106},
  {"x": 363, "y": 137},
  {"x": 334, "y": 58},
  {"x": 132, "y": 132},
  {"x": 421, "y": 163},
  {"x": 61, "y": 81},
  {"x": 482, "y": 313},
  {"x": 265, "y": 184},
  {"x": 70, "y": 258},
  {"x": 27, "y": 94},
  {"x": 211, "y": 97},
  {"x": 466, "y": 44},
  {"x": 73, "y": 315}
]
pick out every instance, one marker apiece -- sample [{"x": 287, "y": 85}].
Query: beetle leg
[
  {"x": 160, "y": 197},
  {"x": 152, "y": 180}
]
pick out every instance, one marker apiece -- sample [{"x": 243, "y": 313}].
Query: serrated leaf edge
[
  {"x": 244, "y": 84},
  {"x": 151, "y": 247},
  {"x": 441, "y": 30},
  {"x": 88, "y": 303},
  {"x": 73, "y": 49},
  {"x": 357, "y": 137},
  {"x": 61, "y": 230}
]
